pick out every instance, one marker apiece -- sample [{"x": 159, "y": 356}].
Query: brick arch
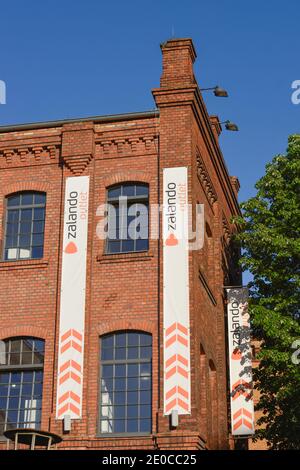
[
  {"x": 118, "y": 325},
  {"x": 26, "y": 186},
  {"x": 26, "y": 330},
  {"x": 129, "y": 175}
]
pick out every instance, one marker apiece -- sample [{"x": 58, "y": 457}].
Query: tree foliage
[{"x": 271, "y": 252}]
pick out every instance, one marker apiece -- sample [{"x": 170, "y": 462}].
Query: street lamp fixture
[
  {"x": 230, "y": 126},
  {"x": 218, "y": 91}
]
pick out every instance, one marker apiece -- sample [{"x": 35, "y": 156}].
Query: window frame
[
  {"x": 19, "y": 207},
  {"x": 22, "y": 368},
  {"x": 115, "y": 201},
  {"x": 126, "y": 362}
]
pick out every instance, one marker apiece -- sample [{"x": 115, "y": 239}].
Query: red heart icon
[
  {"x": 171, "y": 240},
  {"x": 236, "y": 355},
  {"x": 71, "y": 248}
]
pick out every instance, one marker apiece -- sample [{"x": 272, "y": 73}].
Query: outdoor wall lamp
[
  {"x": 230, "y": 126},
  {"x": 218, "y": 91}
]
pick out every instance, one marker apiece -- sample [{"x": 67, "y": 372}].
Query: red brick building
[{"x": 124, "y": 286}]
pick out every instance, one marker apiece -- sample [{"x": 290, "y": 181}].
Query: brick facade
[{"x": 124, "y": 291}]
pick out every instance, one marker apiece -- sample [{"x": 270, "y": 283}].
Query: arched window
[
  {"x": 126, "y": 383},
  {"x": 24, "y": 228},
  {"x": 128, "y": 220},
  {"x": 21, "y": 383}
]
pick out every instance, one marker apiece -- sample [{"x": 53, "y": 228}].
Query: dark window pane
[
  {"x": 107, "y": 354},
  {"x": 107, "y": 371},
  {"x": 39, "y": 214},
  {"x": 13, "y": 200},
  {"x": 107, "y": 342},
  {"x": 119, "y": 426},
  {"x": 13, "y": 216},
  {"x": 113, "y": 246},
  {"x": 37, "y": 252},
  {"x": 142, "y": 244},
  {"x": 133, "y": 370},
  {"x": 121, "y": 340},
  {"x": 133, "y": 353},
  {"x": 40, "y": 198},
  {"x": 120, "y": 384},
  {"x": 120, "y": 353},
  {"x": 27, "y": 358},
  {"x": 27, "y": 199},
  {"x": 24, "y": 240},
  {"x": 145, "y": 369},
  {"x": 114, "y": 192},
  {"x": 11, "y": 229},
  {"x": 119, "y": 412},
  {"x": 26, "y": 214},
  {"x": 146, "y": 340},
  {"x": 132, "y": 411},
  {"x": 25, "y": 227},
  {"x": 127, "y": 245},
  {"x": 38, "y": 227},
  {"x": 132, "y": 425},
  {"x": 37, "y": 239},
  {"x": 146, "y": 352},
  {"x": 120, "y": 370},
  {"x": 119, "y": 398},
  {"x": 128, "y": 190},
  {"x": 107, "y": 385},
  {"x": 132, "y": 398},
  {"x": 133, "y": 383},
  {"x": 145, "y": 383},
  {"x": 145, "y": 411},
  {"x": 145, "y": 397},
  {"x": 133, "y": 339},
  {"x": 145, "y": 425},
  {"x": 142, "y": 190}
]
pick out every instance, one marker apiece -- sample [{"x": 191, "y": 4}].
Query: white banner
[
  {"x": 72, "y": 301},
  {"x": 240, "y": 363},
  {"x": 177, "y": 387}
]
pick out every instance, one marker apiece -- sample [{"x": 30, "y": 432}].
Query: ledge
[
  {"x": 25, "y": 264},
  {"x": 125, "y": 257}
]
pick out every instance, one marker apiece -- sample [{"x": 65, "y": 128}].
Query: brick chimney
[{"x": 178, "y": 58}]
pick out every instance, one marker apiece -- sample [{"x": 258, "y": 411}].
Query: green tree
[{"x": 271, "y": 252}]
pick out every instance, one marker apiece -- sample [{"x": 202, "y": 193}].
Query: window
[
  {"x": 21, "y": 383},
  {"x": 127, "y": 218},
  {"x": 126, "y": 385},
  {"x": 25, "y": 220}
]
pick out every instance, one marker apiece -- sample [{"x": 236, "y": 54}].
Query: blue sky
[{"x": 67, "y": 59}]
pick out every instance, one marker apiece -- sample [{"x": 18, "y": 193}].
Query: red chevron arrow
[{"x": 243, "y": 414}]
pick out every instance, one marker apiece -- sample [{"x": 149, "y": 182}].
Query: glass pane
[
  {"x": 142, "y": 190},
  {"x": 121, "y": 340},
  {"x": 119, "y": 426},
  {"x": 26, "y": 214},
  {"x": 27, "y": 199},
  {"x": 120, "y": 353},
  {"x": 132, "y": 411},
  {"x": 133, "y": 339},
  {"x": 13, "y": 200},
  {"x": 24, "y": 253},
  {"x": 39, "y": 345},
  {"x": 107, "y": 371},
  {"x": 24, "y": 240},
  {"x": 145, "y": 383},
  {"x": 107, "y": 354},
  {"x": 4, "y": 377},
  {"x": 11, "y": 242},
  {"x": 113, "y": 246},
  {"x": 128, "y": 190},
  {"x": 146, "y": 340},
  {"x": 142, "y": 244},
  {"x": 114, "y": 192},
  {"x": 27, "y": 358},
  {"x": 25, "y": 227},
  {"x": 39, "y": 214},
  {"x": 133, "y": 383},
  {"x": 11, "y": 229},
  {"x": 107, "y": 341},
  {"x": 133, "y": 353},
  {"x": 107, "y": 385},
  {"x": 40, "y": 198},
  {"x": 120, "y": 370},
  {"x": 119, "y": 398},
  {"x": 132, "y": 398},
  {"x": 38, "y": 227},
  {"x": 145, "y": 425},
  {"x": 119, "y": 412},
  {"x": 37, "y": 252},
  {"x": 37, "y": 239},
  {"x": 13, "y": 216},
  {"x": 133, "y": 370},
  {"x": 120, "y": 384},
  {"x": 146, "y": 352},
  {"x": 145, "y": 397},
  {"x": 132, "y": 425},
  {"x": 127, "y": 245}
]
